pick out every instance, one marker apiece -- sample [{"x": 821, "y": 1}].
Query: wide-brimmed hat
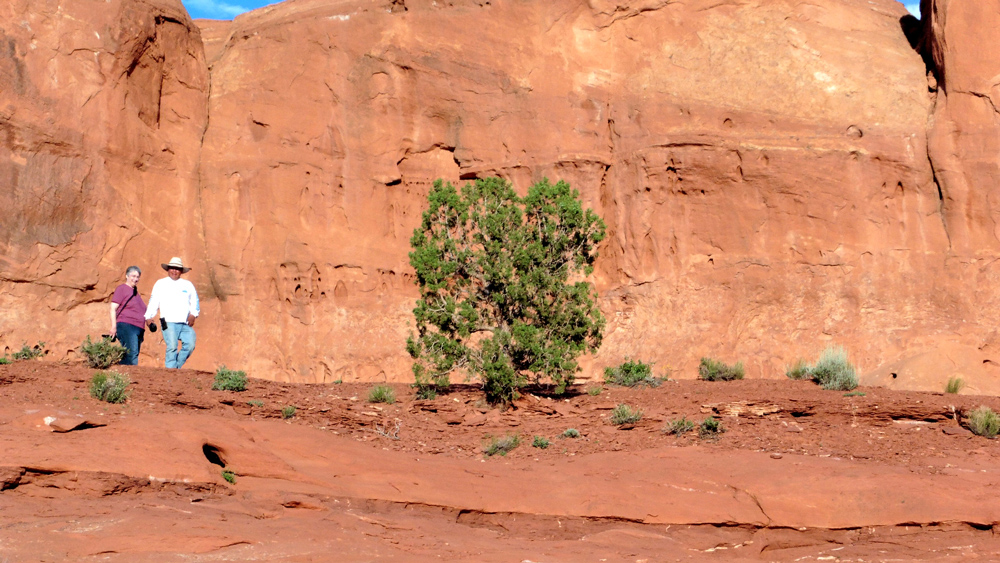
[{"x": 175, "y": 262}]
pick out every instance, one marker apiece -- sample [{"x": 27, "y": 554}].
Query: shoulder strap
[{"x": 135, "y": 291}]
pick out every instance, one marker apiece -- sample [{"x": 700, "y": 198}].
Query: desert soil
[{"x": 799, "y": 474}]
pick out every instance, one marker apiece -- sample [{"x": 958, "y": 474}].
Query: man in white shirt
[{"x": 177, "y": 301}]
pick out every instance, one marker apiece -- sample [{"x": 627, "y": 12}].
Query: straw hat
[{"x": 175, "y": 262}]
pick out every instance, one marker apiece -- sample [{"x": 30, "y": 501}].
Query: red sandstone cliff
[{"x": 776, "y": 176}]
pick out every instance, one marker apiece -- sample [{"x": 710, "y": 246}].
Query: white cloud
[{"x": 214, "y": 9}]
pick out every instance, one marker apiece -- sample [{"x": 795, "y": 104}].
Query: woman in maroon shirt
[{"x": 127, "y": 320}]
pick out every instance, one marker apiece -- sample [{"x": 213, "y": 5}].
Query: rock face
[
  {"x": 102, "y": 110},
  {"x": 775, "y": 176}
]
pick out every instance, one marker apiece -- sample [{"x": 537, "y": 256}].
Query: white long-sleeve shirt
[{"x": 174, "y": 299}]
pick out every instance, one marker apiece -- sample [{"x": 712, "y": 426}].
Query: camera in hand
[
  {"x": 163, "y": 323},
  {"x": 152, "y": 326}
]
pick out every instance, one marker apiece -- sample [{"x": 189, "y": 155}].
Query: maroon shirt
[{"x": 135, "y": 309}]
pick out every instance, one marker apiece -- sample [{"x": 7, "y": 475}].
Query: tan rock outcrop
[{"x": 762, "y": 166}]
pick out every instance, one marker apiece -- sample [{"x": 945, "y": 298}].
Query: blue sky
[
  {"x": 228, "y": 9},
  {"x": 222, "y": 9}
]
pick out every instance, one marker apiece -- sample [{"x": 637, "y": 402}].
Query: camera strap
[{"x": 118, "y": 312}]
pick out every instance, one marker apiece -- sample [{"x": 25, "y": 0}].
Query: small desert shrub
[
  {"x": 426, "y": 392},
  {"x": 594, "y": 391},
  {"x": 4, "y": 360},
  {"x": 679, "y": 426},
  {"x": 229, "y": 380},
  {"x": 229, "y": 476},
  {"x": 710, "y": 427},
  {"x": 109, "y": 386},
  {"x": 502, "y": 445},
  {"x": 954, "y": 385},
  {"x": 540, "y": 442},
  {"x": 834, "y": 371},
  {"x": 288, "y": 412},
  {"x": 855, "y": 394},
  {"x": 571, "y": 433},
  {"x": 382, "y": 394},
  {"x": 799, "y": 370},
  {"x": 102, "y": 354},
  {"x": 984, "y": 422},
  {"x": 624, "y": 414},
  {"x": 631, "y": 374},
  {"x": 714, "y": 370},
  {"x": 29, "y": 352},
  {"x": 255, "y": 403}
]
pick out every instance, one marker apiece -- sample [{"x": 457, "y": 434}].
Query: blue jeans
[
  {"x": 178, "y": 352},
  {"x": 131, "y": 338}
]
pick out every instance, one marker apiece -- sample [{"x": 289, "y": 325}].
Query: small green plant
[
  {"x": 679, "y": 426},
  {"x": 4, "y": 360},
  {"x": 288, "y": 412},
  {"x": 229, "y": 380},
  {"x": 255, "y": 403},
  {"x": 382, "y": 394},
  {"x": 714, "y": 370},
  {"x": 594, "y": 391},
  {"x": 229, "y": 476},
  {"x": 426, "y": 392},
  {"x": 799, "y": 370},
  {"x": 102, "y": 354},
  {"x": 631, "y": 374},
  {"x": 984, "y": 422},
  {"x": 624, "y": 414},
  {"x": 29, "y": 352},
  {"x": 710, "y": 427},
  {"x": 833, "y": 370},
  {"x": 571, "y": 433},
  {"x": 110, "y": 387},
  {"x": 502, "y": 445},
  {"x": 954, "y": 385},
  {"x": 855, "y": 394},
  {"x": 540, "y": 442}
]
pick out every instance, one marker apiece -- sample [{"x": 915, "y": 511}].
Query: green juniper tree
[{"x": 501, "y": 290}]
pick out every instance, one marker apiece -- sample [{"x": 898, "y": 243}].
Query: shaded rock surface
[{"x": 776, "y": 176}]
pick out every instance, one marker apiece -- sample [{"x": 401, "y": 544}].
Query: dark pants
[{"x": 131, "y": 338}]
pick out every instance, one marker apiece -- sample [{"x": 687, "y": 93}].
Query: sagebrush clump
[
  {"x": 832, "y": 371},
  {"x": 710, "y": 428},
  {"x": 631, "y": 374},
  {"x": 110, "y": 387},
  {"x": 679, "y": 426},
  {"x": 983, "y": 422},
  {"x": 624, "y": 414},
  {"x": 540, "y": 442},
  {"x": 288, "y": 412},
  {"x": 954, "y": 385},
  {"x": 382, "y": 394},
  {"x": 229, "y": 380},
  {"x": 102, "y": 354},
  {"x": 502, "y": 445},
  {"x": 571, "y": 433},
  {"x": 714, "y": 370},
  {"x": 29, "y": 352}
]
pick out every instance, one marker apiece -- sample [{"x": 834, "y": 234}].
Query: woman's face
[{"x": 132, "y": 278}]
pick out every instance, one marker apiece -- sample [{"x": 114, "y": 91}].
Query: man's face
[{"x": 174, "y": 273}]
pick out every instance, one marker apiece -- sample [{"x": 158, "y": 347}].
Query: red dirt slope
[{"x": 800, "y": 474}]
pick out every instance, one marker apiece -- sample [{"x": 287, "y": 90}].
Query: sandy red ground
[{"x": 800, "y": 474}]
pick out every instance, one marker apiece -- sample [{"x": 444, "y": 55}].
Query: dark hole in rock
[{"x": 214, "y": 454}]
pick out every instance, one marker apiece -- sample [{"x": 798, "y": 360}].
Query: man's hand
[{"x": 191, "y": 319}]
